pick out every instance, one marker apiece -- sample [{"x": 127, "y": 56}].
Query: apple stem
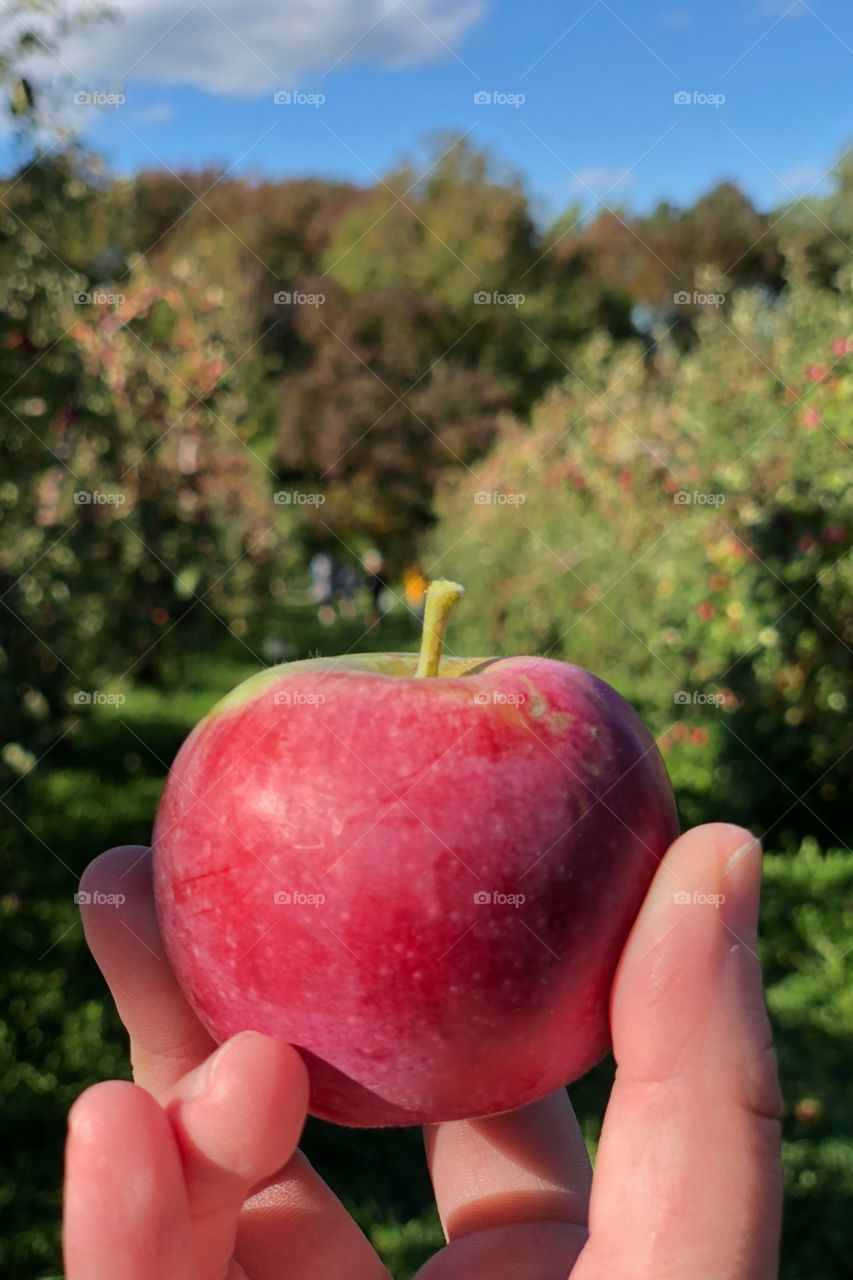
[{"x": 441, "y": 597}]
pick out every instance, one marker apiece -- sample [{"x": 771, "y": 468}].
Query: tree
[{"x": 136, "y": 519}]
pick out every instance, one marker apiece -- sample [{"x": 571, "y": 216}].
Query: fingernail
[
  {"x": 197, "y": 1083},
  {"x": 202, "y": 1081},
  {"x": 740, "y": 885}
]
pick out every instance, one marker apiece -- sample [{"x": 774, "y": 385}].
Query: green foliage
[
  {"x": 807, "y": 925},
  {"x": 400, "y": 372},
  {"x": 682, "y": 527},
  {"x": 133, "y": 498},
  {"x": 818, "y": 231}
]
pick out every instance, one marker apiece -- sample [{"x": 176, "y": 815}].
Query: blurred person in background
[
  {"x": 322, "y": 589},
  {"x": 374, "y": 580},
  {"x": 345, "y": 585}
]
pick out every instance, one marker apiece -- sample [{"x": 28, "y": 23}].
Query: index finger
[{"x": 166, "y": 1038}]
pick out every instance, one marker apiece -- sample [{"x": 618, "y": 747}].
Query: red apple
[{"x": 424, "y": 882}]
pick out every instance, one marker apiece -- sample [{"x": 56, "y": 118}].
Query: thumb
[{"x": 688, "y": 1177}]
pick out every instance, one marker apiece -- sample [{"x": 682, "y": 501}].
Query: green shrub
[
  {"x": 807, "y": 927},
  {"x": 682, "y": 528},
  {"x": 137, "y": 518}
]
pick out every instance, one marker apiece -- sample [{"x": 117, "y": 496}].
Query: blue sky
[{"x": 598, "y": 78}]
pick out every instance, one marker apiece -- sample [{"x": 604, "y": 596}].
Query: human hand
[{"x": 191, "y": 1174}]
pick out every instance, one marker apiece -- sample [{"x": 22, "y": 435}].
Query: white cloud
[
  {"x": 801, "y": 178},
  {"x": 157, "y": 113},
  {"x": 246, "y": 48},
  {"x": 600, "y": 182}
]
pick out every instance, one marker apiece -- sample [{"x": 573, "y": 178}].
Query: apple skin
[{"x": 322, "y": 849}]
